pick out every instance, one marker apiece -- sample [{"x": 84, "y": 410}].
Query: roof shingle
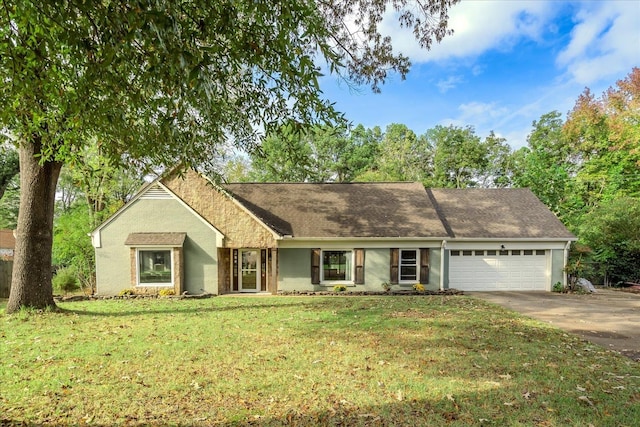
[
  {"x": 342, "y": 210},
  {"x": 155, "y": 239},
  {"x": 497, "y": 213}
]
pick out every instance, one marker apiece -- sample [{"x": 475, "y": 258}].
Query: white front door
[{"x": 249, "y": 280}]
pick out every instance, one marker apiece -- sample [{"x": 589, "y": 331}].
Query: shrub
[
  {"x": 339, "y": 288},
  {"x": 66, "y": 280},
  {"x": 126, "y": 292},
  {"x": 166, "y": 292},
  {"x": 558, "y": 287},
  {"x": 386, "y": 286},
  {"x": 418, "y": 287}
]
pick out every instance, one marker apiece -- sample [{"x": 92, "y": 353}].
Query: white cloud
[
  {"x": 478, "y": 26},
  {"x": 448, "y": 83},
  {"x": 481, "y": 112},
  {"x": 605, "y": 41}
]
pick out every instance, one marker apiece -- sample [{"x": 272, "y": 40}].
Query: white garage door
[{"x": 491, "y": 270}]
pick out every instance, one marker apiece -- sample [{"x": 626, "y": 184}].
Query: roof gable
[
  {"x": 342, "y": 210},
  {"x": 154, "y": 190}
]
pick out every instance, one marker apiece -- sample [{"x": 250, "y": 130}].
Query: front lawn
[{"x": 370, "y": 361}]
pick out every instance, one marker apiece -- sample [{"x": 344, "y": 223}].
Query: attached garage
[
  {"x": 500, "y": 239},
  {"x": 496, "y": 270}
]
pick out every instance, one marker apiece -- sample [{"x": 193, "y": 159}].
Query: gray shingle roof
[
  {"x": 342, "y": 210},
  {"x": 155, "y": 239},
  {"x": 497, "y": 213}
]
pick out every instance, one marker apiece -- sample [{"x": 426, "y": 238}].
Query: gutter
[
  {"x": 566, "y": 261},
  {"x": 443, "y": 248}
]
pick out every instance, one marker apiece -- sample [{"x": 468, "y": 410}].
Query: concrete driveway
[{"x": 609, "y": 318}]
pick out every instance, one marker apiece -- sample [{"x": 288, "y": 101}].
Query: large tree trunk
[{"x": 31, "y": 283}]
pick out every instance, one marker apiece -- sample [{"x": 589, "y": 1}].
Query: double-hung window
[
  {"x": 408, "y": 267},
  {"x": 337, "y": 266}
]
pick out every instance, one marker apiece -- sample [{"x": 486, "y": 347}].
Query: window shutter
[
  {"x": 263, "y": 270},
  {"x": 359, "y": 259},
  {"x": 424, "y": 266},
  {"x": 394, "y": 261},
  {"x": 234, "y": 275},
  {"x": 315, "y": 266}
]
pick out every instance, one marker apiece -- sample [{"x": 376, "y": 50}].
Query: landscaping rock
[{"x": 585, "y": 284}]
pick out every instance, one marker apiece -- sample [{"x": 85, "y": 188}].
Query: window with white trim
[
  {"x": 155, "y": 267},
  {"x": 408, "y": 268},
  {"x": 337, "y": 266}
]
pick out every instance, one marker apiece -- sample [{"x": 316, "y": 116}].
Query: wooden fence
[{"x": 6, "y": 268}]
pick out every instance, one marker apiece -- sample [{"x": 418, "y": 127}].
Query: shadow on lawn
[{"x": 470, "y": 408}]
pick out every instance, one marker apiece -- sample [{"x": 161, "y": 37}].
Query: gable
[
  {"x": 152, "y": 192},
  {"x": 241, "y": 228}
]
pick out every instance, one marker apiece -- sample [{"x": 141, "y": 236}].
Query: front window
[
  {"x": 337, "y": 266},
  {"x": 154, "y": 267},
  {"x": 408, "y": 265}
]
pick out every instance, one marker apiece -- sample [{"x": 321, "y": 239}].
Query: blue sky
[{"x": 508, "y": 63}]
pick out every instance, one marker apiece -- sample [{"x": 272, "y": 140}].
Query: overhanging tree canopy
[{"x": 165, "y": 82}]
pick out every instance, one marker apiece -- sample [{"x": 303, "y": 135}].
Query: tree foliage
[
  {"x": 164, "y": 82},
  {"x": 605, "y": 137},
  {"x": 587, "y": 170},
  {"x": 9, "y": 204},
  {"x": 612, "y": 230},
  {"x": 546, "y": 165},
  {"x": 462, "y": 159}
]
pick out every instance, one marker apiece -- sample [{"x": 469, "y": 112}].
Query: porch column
[{"x": 273, "y": 270}]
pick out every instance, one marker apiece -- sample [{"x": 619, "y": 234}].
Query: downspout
[
  {"x": 566, "y": 262},
  {"x": 443, "y": 247}
]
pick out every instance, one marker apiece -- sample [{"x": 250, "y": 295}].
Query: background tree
[
  {"x": 547, "y": 165},
  {"x": 9, "y": 167},
  {"x": 604, "y": 134},
  {"x": 364, "y": 149},
  {"x": 10, "y": 204},
  {"x": 498, "y": 169},
  {"x": 165, "y": 82},
  {"x": 284, "y": 156},
  {"x": 461, "y": 159},
  {"x": 72, "y": 250},
  {"x": 402, "y": 156},
  {"x": 612, "y": 231},
  {"x": 317, "y": 154}
]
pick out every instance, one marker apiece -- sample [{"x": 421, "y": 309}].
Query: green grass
[{"x": 370, "y": 361}]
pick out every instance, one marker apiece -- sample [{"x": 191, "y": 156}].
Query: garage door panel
[{"x": 511, "y": 270}]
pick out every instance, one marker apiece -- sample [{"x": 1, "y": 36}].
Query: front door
[{"x": 249, "y": 280}]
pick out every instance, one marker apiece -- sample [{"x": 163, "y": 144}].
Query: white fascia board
[{"x": 366, "y": 243}]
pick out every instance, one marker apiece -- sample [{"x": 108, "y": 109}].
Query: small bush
[
  {"x": 126, "y": 292},
  {"x": 557, "y": 287},
  {"x": 66, "y": 281},
  {"x": 339, "y": 288},
  {"x": 166, "y": 292},
  {"x": 386, "y": 286},
  {"x": 418, "y": 287}
]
